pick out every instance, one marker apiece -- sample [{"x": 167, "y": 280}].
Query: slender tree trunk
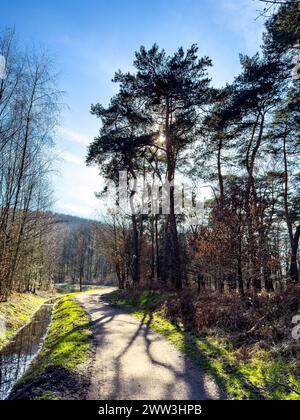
[
  {"x": 176, "y": 260},
  {"x": 158, "y": 275},
  {"x": 294, "y": 238},
  {"x": 175, "y": 257},
  {"x": 135, "y": 236},
  {"x": 152, "y": 273},
  {"x": 136, "y": 251},
  {"x": 251, "y": 199},
  {"x": 294, "y": 264},
  {"x": 240, "y": 281},
  {"x": 220, "y": 175},
  {"x": 80, "y": 281}
]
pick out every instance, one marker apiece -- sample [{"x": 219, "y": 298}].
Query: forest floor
[{"x": 134, "y": 362}]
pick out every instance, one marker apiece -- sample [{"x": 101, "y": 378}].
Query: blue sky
[{"x": 89, "y": 40}]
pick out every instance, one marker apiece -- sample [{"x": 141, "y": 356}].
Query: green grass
[
  {"x": 66, "y": 347},
  {"x": 16, "y": 313},
  {"x": 68, "y": 341},
  {"x": 261, "y": 375},
  {"x": 48, "y": 395}
]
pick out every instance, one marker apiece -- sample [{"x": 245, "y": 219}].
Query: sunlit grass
[
  {"x": 66, "y": 348},
  {"x": 16, "y": 313},
  {"x": 68, "y": 339}
]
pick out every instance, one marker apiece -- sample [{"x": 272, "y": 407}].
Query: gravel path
[{"x": 133, "y": 362}]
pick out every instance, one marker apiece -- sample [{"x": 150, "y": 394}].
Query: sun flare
[{"x": 161, "y": 139}]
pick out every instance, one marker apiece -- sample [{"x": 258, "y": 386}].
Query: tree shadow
[
  {"x": 191, "y": 348},
  {"x": 196, "y": 382},
  {"x": 195, "y": 369}
]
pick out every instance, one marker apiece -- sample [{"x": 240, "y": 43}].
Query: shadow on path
[{"x": 133, "y": 362}]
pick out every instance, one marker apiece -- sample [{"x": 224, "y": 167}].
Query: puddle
[{"x": 16, "y": 357}]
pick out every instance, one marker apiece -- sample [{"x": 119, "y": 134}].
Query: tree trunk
[
  {"x": 136, "y": 251},
  {"x": 294, "y": 238},
  {"x": 294, "y": 264},
  {"x": 176, "y": 260},
  {"x": 152, "y": 275},
  {"x": 158, "y": 276},
  {"x": 80, "y": 282},
  {"x": 171, "y": 165},
  {"x": 220, "y": 175},
  {"x": 240, "y": 281}
]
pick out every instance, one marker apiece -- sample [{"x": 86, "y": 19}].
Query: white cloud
[
  {"x": 76, "y": 185},
  {"x": 242, "y": 17},
  {"x": 70, "y": 157},
  {"x": 73, "y": 136},
  {"x": 79, "y": 210}
]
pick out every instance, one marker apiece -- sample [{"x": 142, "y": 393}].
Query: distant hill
[{"x": 71, "y": 220}]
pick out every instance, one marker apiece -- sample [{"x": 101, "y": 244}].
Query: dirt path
[{"x": 133, "y": 362}]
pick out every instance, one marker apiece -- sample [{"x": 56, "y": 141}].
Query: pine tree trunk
[
  {"x": 136, "y": 251},
  {"x": 294, "y": 238},
  {"x": 294, "y": 273},
  {"x": 176, "y": 260},
  {"x": 158, "y": 275},
  {"x": 171, "y": 166}
]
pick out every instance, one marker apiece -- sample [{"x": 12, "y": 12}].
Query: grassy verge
[
  {"x": 252, "y": 374},
  {"x": 17, "y": 311},
  {"x": 60, "y": 370}
]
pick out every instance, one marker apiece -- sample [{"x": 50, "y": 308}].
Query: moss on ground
[
  {"x": 67, "y": 342},
  {"x": 260, "y": 375},
  {"x": 17, "y": 311},
  {"x": 48, "y": 395},
  {"x": 59, "y": 371}
]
